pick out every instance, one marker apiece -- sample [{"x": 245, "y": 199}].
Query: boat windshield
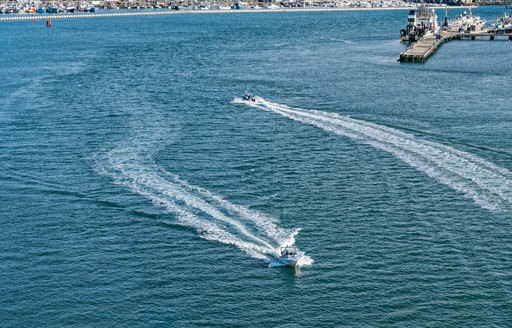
[{"x": 289, "y": 251}]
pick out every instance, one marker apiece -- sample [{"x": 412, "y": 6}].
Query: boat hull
[{"x": 289, "y": 261}]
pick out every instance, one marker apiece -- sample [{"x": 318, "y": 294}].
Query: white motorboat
[
  {"x": 466, "y": 23},
  {"x": 288, "y": 256},
  {"x": 249, "y": 97}
]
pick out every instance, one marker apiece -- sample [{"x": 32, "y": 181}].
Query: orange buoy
[{"x": 49, "y": 22}]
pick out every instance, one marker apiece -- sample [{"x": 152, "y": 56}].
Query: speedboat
[
  {"x": 289, "y": 255},
  {"x": 249, "y": 97}
]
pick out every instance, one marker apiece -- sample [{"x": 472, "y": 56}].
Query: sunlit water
[{"x": 139, "y": 190}]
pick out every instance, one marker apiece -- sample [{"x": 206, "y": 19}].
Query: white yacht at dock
[{"x": 466, "y": 23}]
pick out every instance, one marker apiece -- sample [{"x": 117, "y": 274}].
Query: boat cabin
[{"x": 288, "y": 251}]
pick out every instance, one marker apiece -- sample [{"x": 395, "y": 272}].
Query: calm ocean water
[{"x": 136, "y": 192}]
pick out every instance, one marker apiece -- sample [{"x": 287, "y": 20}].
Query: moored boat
[
  {"x": 420, "y": 21},
  {"x": 466, "y": 22}
]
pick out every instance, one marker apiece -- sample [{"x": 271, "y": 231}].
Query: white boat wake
[
  {"x": 489, "y": 185},
  {"x": 211, "y": 215}
]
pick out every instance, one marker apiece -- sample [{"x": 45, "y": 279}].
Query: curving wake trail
[
  {"x": 487, "y": 184},
  {"x": 211, "y": 215}
]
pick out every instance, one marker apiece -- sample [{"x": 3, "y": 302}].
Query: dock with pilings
[{"x": 420, "y": 51}]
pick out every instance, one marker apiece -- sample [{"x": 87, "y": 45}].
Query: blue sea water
[{"x": 137, "y": 191}]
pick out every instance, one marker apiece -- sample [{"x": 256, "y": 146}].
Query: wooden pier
[{"x": 420, "y": 51}]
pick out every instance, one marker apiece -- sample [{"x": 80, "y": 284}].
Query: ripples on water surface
[{"x": 135, "y": 192}]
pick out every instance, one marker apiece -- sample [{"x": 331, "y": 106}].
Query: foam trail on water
[
  {"x": 489, "y": 185},
  {"x": 264, "y": 222},
  {"x": 213, "y": 216}
]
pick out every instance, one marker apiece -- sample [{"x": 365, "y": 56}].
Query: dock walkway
[{"x": 420, "y": 51}]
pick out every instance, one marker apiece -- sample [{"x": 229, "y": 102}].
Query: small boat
[
  {"x": 289, "y": 256},
  {"x": 249, "y": 97}
]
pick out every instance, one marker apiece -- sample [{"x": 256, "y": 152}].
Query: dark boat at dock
[{"x": 419, "y": 22}]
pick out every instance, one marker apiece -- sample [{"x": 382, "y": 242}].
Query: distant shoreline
[{"x": 113, "y": 13}]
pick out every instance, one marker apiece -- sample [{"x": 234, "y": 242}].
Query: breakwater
[{"x": 181, "y": 12}]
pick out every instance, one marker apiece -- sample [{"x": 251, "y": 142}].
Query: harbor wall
[{"x": 109, "y": 13}]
